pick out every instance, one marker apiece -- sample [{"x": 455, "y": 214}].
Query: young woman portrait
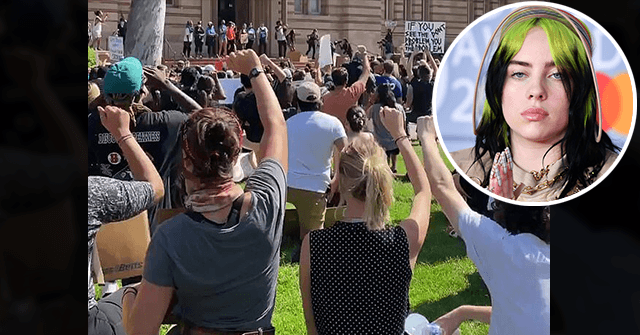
[{"x": 537, "y": 118}]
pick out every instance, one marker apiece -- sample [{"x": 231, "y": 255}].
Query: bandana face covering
[
  {"x": 207, "y": 197},
  {"x": 517, "y": 16}
]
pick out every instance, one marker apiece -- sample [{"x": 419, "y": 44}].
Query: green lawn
[{"x": 443, "y": 279}]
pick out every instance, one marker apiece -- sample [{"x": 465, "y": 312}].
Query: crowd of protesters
[
  {"x": 161, "y": 138},
  {"x": 226, "y": 37}
]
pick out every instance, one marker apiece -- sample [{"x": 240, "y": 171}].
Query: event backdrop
[{"x": 456, "y": 78}]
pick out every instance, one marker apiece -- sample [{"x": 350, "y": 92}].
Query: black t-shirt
[
  {"x": 422, "y": 93},
  {"x": 158, "y": 133},
  {"x": 246, "y": 108}
]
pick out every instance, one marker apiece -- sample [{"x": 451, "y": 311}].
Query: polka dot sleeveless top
[{"x": 359, "y": 279}]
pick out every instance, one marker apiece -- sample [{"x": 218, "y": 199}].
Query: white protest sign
[
  {"x": 423, "y": 35},
  {"x": 229, "y": 85},
  {"x": 116, "y": 48},
  {"x": 324, "y": 55}
]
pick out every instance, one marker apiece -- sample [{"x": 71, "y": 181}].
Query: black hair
[
  {"x": 357, "y": 118},
  {"x": 386, "y": 97},
  {"x": 578, "y": 146},
  {"x": 516, "y": 219},
  {"x": 189, "y": 77},
  {"x": 309, "y": 106},
  {"x": 205, "y": 83},
  {"x": 340, "y": 76},
  {"x": 211, "y": 140}
]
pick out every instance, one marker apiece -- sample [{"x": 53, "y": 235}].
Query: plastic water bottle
[
  {"x": 417, "y": 324},
  {"x": 432, "y": 329},
  {"x": 414, "y": 323}
]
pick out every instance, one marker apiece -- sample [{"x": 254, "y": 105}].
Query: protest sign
[
  {"x": 116, "y": 48},
  {"x": 122, "y": 247},
  {"x": 229, "y": 85},
  {"x": 325, "y": 57},
  {"x": 423, "y": 35}
]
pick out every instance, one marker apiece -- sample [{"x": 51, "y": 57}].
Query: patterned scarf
[{"x": 208, "y": 197}]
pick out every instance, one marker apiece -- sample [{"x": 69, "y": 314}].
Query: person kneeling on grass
[
  {"x": 511, "y": 251},
  {"x": 221, "y": 257},
  {"x": 354, "y": 276},
  {"x": 112, "y": 200}
]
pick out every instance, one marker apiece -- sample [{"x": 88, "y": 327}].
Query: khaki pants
[{"x": 311, "y": 207}]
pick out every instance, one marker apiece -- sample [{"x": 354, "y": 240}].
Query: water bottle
[
  {"x": 416, "y": 324},
  {"x": 432, "y": 329}
]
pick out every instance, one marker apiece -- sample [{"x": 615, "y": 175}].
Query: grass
[{"x": 443, "y": 279}]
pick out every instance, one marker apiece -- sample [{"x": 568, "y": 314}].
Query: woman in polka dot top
[{"x": 354, "y": 276}]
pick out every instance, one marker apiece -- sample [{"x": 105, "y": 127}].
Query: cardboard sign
[
  {"x": 122, "y": 247},
  {"x": 423, "y": 35},
  {"x": 324, "y": 55},
  {"x": 116, "y": 48}
]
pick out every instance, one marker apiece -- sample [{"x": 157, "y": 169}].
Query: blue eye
[
  {"x": 556, "y": 75},
  {"x": 518, "y": 75}
]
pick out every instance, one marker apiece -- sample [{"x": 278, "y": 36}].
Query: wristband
[
  {"x": 124, "y": 138},
  {"x": 400, "y": 138}
]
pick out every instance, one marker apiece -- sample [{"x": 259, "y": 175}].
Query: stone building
[{"x": 359, "y": 21}]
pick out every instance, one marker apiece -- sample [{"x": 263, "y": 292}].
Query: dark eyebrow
[{"x": 525, "y": 64}]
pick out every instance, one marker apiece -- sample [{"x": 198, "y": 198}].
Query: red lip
[{"x": 534, "y": 114}]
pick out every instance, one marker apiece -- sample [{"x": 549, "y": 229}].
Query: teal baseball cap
[{"x": 124, "y": 77}]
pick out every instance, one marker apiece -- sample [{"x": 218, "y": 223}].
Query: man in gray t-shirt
[{"x": 225, "y": 276}]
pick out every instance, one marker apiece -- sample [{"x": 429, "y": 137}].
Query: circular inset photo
[{"x": 534, "y": 103}]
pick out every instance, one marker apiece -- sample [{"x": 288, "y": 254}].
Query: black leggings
[
  {"x": 312, "y": 48},
  {"x": 186, "y": 50},
  {"x": 282, "y": 48}
]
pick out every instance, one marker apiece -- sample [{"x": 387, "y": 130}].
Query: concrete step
[{"x": 219, "y": 62}]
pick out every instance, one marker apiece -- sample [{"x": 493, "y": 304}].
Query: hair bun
[{"x": 215, "y": 138}]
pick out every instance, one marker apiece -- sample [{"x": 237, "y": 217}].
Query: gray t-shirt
[
  {"x": 225, "y": 278},
  {"x": 381, "y": 133},
  {"x": 112, "y": 200}
]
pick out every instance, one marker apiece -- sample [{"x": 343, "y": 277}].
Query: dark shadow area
[
  {"x": 475, "y": 294},
  {"x": 43, "y": 173}
]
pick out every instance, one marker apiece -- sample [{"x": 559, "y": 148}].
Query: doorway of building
[{"x": 226, "y": 10}]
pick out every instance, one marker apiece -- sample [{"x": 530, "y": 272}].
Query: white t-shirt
[
  {"x": 280, "y": 34},
  {"x": 188, "y": 35},
  {"x": 516, "y": 269},
  {"x": 311, "y": 136}
]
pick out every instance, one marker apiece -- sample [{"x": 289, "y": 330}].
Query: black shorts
[{"x": 395, "y": 151}]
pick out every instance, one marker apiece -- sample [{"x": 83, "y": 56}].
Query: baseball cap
[
  {"x": 208, "y": 68},
  {"x": 94, "y": 92},
  {"x": 308, "y": 91},
  {"x": 124, "y": 77}
]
